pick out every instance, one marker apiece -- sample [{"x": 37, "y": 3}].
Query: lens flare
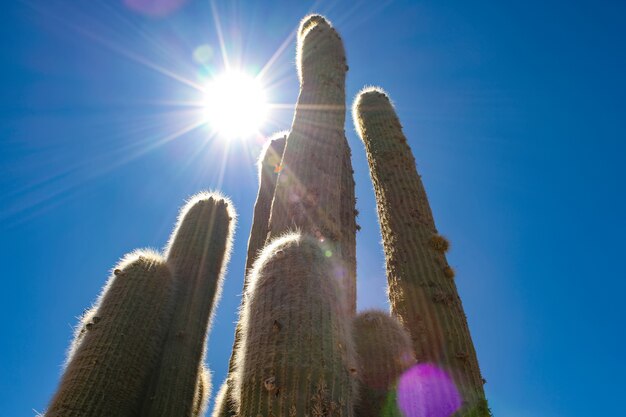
[
  {"x": 157, "y": 8},
  {"x": 427, "y": 391},
  {"x": 235, "y": 104}
]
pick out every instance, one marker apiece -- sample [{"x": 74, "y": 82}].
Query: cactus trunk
[
  {"x": 310, "y": 185},
  {"x": 108, "y": 371},
  {"x": 197, "y": 255},
  {"x": 269, "y": 167},
  {"x": 296, "y": 357},
  {"x": 422, "y": 292}
]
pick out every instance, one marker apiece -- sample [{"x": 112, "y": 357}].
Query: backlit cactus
[
  {"x": 203, "y": 390},
  {"x": 108, "y": 372},
  {"x": 269, "y": 165},
  {"x": 197, "y": 255},
  {"x": 299, "y": 350},
  {"x": 148, "y": 329},
  {"x": 422, "y": 292},
  {"x": 384, "y": 350},
  {"x": 296, "y": 357},
  {"x": 315, "y": 188}
]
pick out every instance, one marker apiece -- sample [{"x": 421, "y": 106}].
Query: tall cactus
[
  {"x": 197, "y": 254},
  {"x": 296, "y": 357},
  {"x": 108, "y": 371},
  {"x": 269, "y": 165},
  {"x": 422, "y": 292},
  {"x": 316, "y": 158},
  {"x": 140, "y": 350},
  {"x": 384, "y": 350}
]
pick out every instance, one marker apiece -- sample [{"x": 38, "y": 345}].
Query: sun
[{"x": 235, "y": 104}]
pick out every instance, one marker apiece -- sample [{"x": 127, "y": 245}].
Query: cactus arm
[
  {"x": 109, "y": 368},
  {"x": 422, "y": 292},
  {"x": 197, "y": 254}
]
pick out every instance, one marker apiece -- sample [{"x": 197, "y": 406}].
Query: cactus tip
[
  {"x": 368, "y": 98},
  {"x": 276, "y": 141},
  {"x": 203, "y": 199},
  {"x": 310, "y": 21},
  {"x": 208, "y": 197}
]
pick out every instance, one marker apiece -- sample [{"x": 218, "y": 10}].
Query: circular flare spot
[{"x": 427, "y": 391}]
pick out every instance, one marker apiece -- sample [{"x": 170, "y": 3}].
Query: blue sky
[{"x": 515, "y": 113}]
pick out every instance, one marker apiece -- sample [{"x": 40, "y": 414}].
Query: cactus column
[
  {"x": 422, "y": 291},
  {"x": 269, "y": 167},
  {"x": 197, "y": 255},
  {"x": 296, "y": 357},
  {"x": 309, "y": 191},
  {"x": 110, "y": 366}
]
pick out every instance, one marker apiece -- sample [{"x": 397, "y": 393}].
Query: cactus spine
[
  {"x": 422, "y": 292},
  {"x": 296, "y": 357},
  {"x": 384, "y": 350},
  {"x": 197, "y": 254},
  {"x": 203, "y": 390},
  {"x": 107, "y": 373},
  {"x": 309, "y": 191}
]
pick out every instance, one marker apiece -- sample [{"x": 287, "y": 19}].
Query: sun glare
[{"x": 235, "y": 104}]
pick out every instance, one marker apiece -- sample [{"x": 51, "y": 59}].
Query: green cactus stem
[
  {"x": 197, "y": 255},
  {"x": 384, "y": 350},
  {"x": 296, "y": 357},
  {"x": 314, "y": 191},
  {"x": 119, "y": 349},
  {"x": 422, "y": 292}
]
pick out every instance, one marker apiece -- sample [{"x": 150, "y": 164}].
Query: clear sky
[{"x": 515, "y": 112}]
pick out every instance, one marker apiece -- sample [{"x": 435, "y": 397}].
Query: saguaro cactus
[
  {"x": 384, "y": 350},
  {"x": 296, "y": 357},
  {"x": 315, "y": 162},
  {"x": 422, "y": 291},
  {"x": 120, "y": 347},
  {"x": 197, "y": 254}
]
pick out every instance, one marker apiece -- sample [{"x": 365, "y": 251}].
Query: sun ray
[
  {"x": 220, "y": 35},
  {"x": 116, "y": 48}
]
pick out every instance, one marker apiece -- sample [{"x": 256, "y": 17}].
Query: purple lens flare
[{"x": 427, "y": 391}]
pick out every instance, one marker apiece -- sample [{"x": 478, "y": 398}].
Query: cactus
[
  {"x": 313, "y": 177},
  {"x": 223, "y": 400},
  {"x": 203, "y": 389},
  {"x": 141, "y": 349},
  {"x": 421, "y": 290},
  {"x": 197, "y": 254},
  {"x": 269, "y": 165},
  {"x": 84, "y": 324},
  {"x": 384, "y": 350},
  {"x": 110, "y": 367},
  {"x": 296, "y": 357}
]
